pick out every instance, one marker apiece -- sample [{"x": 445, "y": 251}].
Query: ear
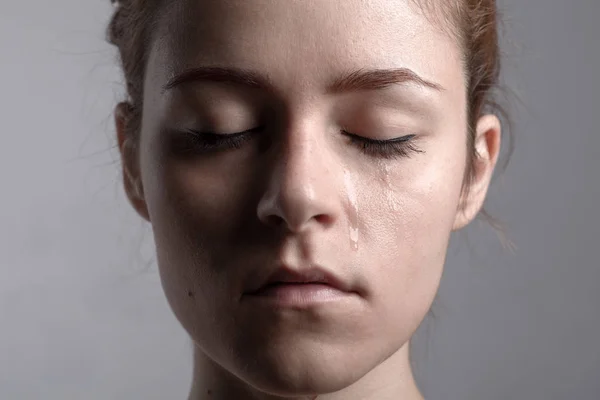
[
  {"x": 128, "y": 147},
  {"x": 487, "y": 146}
]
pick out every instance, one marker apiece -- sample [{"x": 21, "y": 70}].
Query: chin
[
  {"x": 312, "y": 378},
  {"x": 300, "y": 368}
]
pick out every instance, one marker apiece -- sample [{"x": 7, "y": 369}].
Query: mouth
[
  {"x": 300, "y": 287},
  {"x": 285, "y": 276}
]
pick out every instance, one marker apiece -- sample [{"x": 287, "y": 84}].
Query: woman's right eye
[{"x": 193, "y": 141}]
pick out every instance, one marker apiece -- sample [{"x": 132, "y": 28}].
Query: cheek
[
  {"x": 196, "y": 211},
  {"x": 197, "y": 216},
  {"x": 407, "y": 227}
]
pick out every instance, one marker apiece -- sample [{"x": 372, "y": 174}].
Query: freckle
[
  {"x": 209, "y": 392},
  {"x": 190, "y": 294}
]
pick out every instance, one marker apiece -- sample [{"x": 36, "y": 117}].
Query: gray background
[{"x": 82, "y": 314}]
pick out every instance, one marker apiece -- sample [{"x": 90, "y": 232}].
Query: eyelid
[
  {"x": 398, "y": 139},
  {"x": 219, "y": 134},
  {"x": 395, "y": 148}
]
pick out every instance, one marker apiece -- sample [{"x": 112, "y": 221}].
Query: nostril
[
  {"x": 275, "y": 221},
  {"x": 324, "y": 219}
]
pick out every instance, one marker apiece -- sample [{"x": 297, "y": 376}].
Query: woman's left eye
[{"x": 402, "y": 146}]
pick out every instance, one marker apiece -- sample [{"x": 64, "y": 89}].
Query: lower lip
[{"x": 299, "y": 294}]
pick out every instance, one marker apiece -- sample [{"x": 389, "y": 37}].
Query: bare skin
[{"x": 308, "y": 186}]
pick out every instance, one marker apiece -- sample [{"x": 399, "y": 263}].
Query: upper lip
[{"x": 312, "y": 274}]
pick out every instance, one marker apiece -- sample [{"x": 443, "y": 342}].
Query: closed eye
[
  {"x": 402, "y": 146},
  {"x": 211, "y": 141}
]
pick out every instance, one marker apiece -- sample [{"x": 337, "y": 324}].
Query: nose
[{"x": 300, "y": 191}]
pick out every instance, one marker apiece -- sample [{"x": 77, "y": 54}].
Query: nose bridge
[
  {"x": 300, "y": 188},
  {"x": 302, "y": 160}
]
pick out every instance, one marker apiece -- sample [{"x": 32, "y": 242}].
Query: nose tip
[
  {"x": 298, "y": 194},
  {"x": 294, "y": 209}
]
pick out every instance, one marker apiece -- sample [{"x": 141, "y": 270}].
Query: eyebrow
[{"x": 360, "y": 80}]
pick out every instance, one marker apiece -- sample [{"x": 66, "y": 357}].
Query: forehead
[{"x": 305, "y": 42}]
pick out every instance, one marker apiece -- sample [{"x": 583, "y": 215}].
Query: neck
[{"x": 391, "y": 380}]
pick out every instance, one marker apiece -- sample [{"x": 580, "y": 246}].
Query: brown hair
[{"x": 473, "y": 22}]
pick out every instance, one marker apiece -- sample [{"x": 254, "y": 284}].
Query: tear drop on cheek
[
  {"x": 390, "y": 196},
  {"x": 354, "y": 237},
  {"x": 353, "y": 215}
]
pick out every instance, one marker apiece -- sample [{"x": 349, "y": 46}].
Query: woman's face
[{"x": 311, "y": 185}]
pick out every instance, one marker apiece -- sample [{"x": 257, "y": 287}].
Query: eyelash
[
  {"x": 210, "y": 141},
  {"x": 388, "y": 149}
]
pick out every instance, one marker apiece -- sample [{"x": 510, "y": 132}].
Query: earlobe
[
  {"x": 487, "y": 147},
  {"x": 132, "y": 181}
]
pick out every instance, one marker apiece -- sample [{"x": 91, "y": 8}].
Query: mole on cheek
[{"x": 190, "y": 294}]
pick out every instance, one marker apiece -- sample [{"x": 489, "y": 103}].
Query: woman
[{"x": 302, "y": 164}]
